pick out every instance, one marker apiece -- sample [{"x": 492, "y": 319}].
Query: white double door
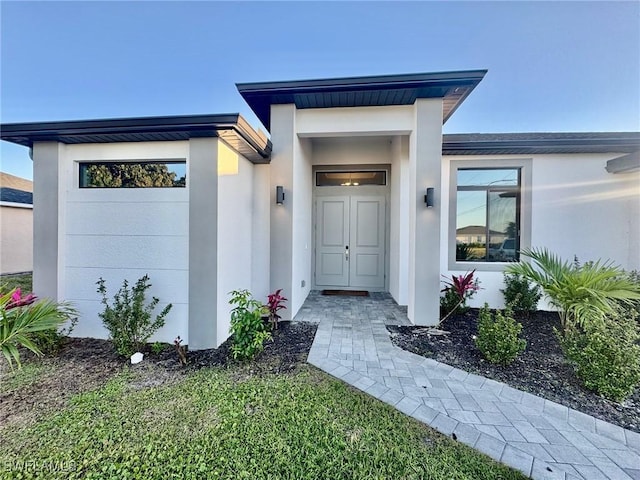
[{"x": 350, "y": 241}]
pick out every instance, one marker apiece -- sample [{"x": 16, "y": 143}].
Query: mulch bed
[
  {"x": 85, "y": 364},
  {"x": 541, "y": 369}
]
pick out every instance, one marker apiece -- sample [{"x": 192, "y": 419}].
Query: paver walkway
[{"x": 540, "y": 438}]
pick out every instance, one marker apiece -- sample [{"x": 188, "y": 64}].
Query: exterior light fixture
[
  {"x": 279, "y": 194},
  {"x": 429, "y": 197}
]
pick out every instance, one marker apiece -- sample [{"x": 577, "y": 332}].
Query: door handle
[{"x": 346, "y": 252}]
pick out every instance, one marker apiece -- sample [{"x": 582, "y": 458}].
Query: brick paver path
[{"x": 540, "y": 438}]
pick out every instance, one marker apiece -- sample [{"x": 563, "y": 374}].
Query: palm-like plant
[
  {"x": 581, "y": 293},
  {"x": 19, "y": 319}
]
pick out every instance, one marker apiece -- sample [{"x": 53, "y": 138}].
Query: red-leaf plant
[
  {"x": 275, "y": 303},
  {"x": 464, "y": 287},
  {"x": 18, "y": 300}
]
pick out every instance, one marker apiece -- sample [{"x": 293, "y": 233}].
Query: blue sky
[{"x": 553, "y": 66}]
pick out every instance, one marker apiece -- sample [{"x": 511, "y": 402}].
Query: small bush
[
  {"x": 520, "y": 294},
  {"x": 129, "y": 320},
  {"x": 248, "y": 329},
  {"x": 606, "y": 355},
  {"x": 50, "y": 341},
  {"x": 499, "y": 338}
]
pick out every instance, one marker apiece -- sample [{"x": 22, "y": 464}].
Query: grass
[
  {"x": 229, "y": 423},
  {"x": 24, "y": 282},
  {"x": 16, "y": 379}
]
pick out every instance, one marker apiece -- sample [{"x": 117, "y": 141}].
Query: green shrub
[
  {"x": 606, "y": 355},
  {"x": 248, "y": 329},
  {"x": 499, "y": 337},
  {"x": 129, "y": 320},
  {"x": 583, "y": 294},
  {"x": 450, "y": 304},
  {"x": 50, "y": 341},
  {"x": 520, "y": 294},
  {"x": 21, "y": 317}
]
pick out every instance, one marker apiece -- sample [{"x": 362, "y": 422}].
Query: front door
[{"x": 350, "y": 233}]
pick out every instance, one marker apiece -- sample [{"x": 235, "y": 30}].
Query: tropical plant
[
  {"x": 248, "y": 329},
  {"x": 275, "y": 303},
  {"x": 499, "y": 336},
  {"x": 582, "y": 293},
  {"x": 456, "y": 293},
  {"x": 22, "y": 316},
  {"x": 520, "y": 294},
  {"x": 129, "y": 319}
]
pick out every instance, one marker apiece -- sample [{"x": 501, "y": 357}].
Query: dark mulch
[
  {"x": 84, "y": 364},
  {"x": 541, "y": 369}
]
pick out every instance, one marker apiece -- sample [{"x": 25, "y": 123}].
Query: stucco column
[
  {"x": 282, "y": 157},
  {"x": 48, "y": 218},
  {"x": 425, "y": 160},
  {"x": 203, "y": 242}
]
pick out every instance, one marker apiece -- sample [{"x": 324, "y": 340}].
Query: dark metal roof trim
[
  {"x": 361, "y": 91},
  {"x": 140, "y": 129},
  {"x": 540, "y": 143}
]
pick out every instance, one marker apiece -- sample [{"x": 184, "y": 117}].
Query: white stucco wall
[
  {"x": 577, "y": 209},
  {"x": 351, "y": 150},
  {"x": 122, "y": 234},
  {"x": 399, "y": 221},
  {"x": 235, "y": 232},
  {"x": 16, "y": 238},
  {"x": 302, "y": 226}
]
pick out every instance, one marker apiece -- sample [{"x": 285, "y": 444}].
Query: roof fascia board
[{"x": 369, "y": 83}]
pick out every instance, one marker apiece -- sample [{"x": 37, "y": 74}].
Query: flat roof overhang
[
  {"x": 232, "y": 128},
  {"x": 452, "y": 87},
  {"x": 540, "y": 143}
]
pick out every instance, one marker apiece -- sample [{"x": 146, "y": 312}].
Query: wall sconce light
[
  {"x": 429, "y": 197},
  {"x": 279, "y": 194}
]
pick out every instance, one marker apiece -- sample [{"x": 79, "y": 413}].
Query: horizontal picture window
[
  {"x": 148, "y": 174},
  {"x": 351, "y": 179}
]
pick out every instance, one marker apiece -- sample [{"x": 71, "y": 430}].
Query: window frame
[
  {"x": 523, "y": 208},
  {"x": 352, "y": 170},
  {"x": 160, "y": 161}
]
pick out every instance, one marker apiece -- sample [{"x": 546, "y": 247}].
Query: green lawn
[
  {"x": 13, "y": 281},
  {"x": 231, "y": 423}
]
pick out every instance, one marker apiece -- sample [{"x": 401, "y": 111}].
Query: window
[
  {"x": 351, "y": 179},
  {"x": 148, "y": 174},
  {"x": 487, "y": 220}
]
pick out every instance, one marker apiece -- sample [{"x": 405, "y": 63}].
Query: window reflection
[{"x": 487, "y": 220}]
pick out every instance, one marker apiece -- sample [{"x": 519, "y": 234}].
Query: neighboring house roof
[
  {"x": 12, "y": 195},
  {"x": 19, "y": 183},
  {"x": 232, "y": 128},
  {"x": 540, "y": 143},
  {"x": 381, "y": 90},
  {"x": 476, "y": 230}
]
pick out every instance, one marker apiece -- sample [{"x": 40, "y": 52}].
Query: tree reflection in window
[{"x": 132, "y": 174}]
